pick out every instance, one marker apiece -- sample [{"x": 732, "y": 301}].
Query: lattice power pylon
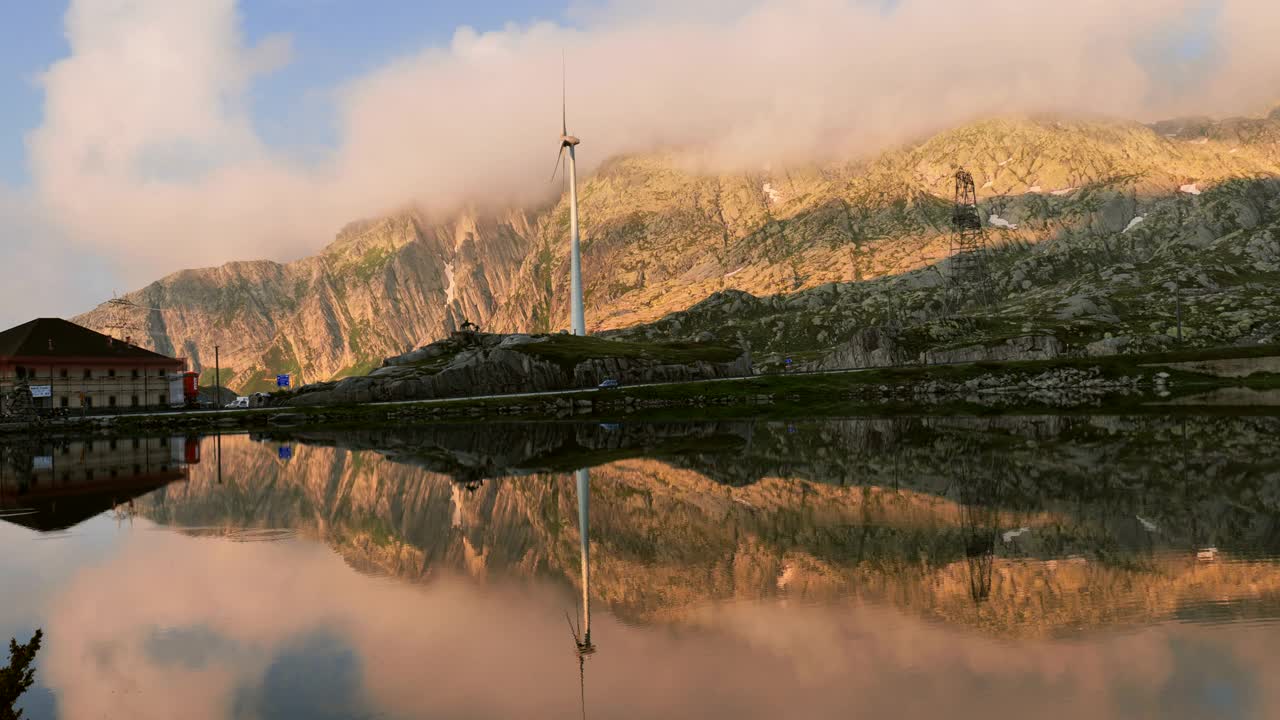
[
  {"x": 119, "y": 321},
  {"x": 968, "y": 238}
]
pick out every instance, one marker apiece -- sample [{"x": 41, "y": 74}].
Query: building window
[
  {"x": 160, "y": 400},
  {"x": 111, "y": 401},
  {"x": 62, "y": 373},
  {"x": 111, "y": 444},
  {"x": 111, "y": 372},
  {"x": 64, "y": 401},
  {"x": 160, "y": 372},
  {"x": 134, "y": 401},
  {"x": 88, "y": 374}
]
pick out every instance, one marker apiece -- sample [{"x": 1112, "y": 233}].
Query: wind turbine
[{"x": 575, "y": 253}]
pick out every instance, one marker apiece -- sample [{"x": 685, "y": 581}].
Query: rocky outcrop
[
  {"x": 1031, "y": 347},
  {"x": 882, "y": 347},
  {"x": 470, "y": 364},
  {"x": 868, "y": 348}
]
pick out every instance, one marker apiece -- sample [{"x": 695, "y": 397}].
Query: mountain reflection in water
[{"x": 1055, "y": 567}]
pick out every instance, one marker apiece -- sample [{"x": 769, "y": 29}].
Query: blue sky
[{"x": 333, "y": 41}]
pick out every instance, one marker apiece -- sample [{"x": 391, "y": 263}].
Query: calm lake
[{"x": 1026, "y": 567}]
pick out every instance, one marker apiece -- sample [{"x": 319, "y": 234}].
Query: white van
[{"x": 239, "y": 402}]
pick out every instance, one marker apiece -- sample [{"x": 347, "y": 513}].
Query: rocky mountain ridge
[{"x": 1090, "y": 221}]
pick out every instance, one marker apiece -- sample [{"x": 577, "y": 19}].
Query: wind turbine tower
[{"x": 575, "y": 253}]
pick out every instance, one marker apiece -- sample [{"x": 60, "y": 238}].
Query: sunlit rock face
[
  {"x": 1027, "y": 527},
  {"x": 789, "y": 260}
]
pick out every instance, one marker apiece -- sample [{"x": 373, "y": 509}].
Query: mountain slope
[{"x": 659, "y": 237}]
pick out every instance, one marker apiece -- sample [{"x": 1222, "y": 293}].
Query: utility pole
[{"x": 217, "y": 392}]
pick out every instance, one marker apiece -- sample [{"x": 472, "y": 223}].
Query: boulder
[
  {"x": 869, "y": 347},
  {"x": 1115, "y": 214},
  {"x": 1108, "y": 346}
]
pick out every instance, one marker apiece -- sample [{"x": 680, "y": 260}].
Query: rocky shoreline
[{"x": 1234, "y": 379}]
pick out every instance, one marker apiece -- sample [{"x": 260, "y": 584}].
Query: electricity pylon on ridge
[
  {"x": 968, "y": 237},
  {"x": 119, "y": 320}
]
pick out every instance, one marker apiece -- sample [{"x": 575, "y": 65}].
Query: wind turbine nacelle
[{"x": 569, "y": 141}]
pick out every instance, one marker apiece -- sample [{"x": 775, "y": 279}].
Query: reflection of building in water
[
  {"x": 582, "y": 633},
  {"x": 55, "y": 486},
  {"x": 980, "y": 485}
]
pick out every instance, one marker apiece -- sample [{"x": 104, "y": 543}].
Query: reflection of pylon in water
[
  {"x": 968, "y": 239},
  {"x": 980, "y": 522},
  {"x": 123, "y": 512}
]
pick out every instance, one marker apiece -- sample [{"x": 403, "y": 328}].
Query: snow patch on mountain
[
  {"x": 774, "y": 195},
  {"x": 450, "y": 290}
]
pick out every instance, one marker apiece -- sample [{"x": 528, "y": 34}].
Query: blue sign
[
  {"x": 282, "y": 381},
  {"x": 788, "y": 361},
  {"x": 286, "y": 452}
]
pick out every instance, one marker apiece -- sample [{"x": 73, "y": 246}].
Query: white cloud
[
  {"x": 148, "y": 151},
  {"x": 43, "y": 274}
]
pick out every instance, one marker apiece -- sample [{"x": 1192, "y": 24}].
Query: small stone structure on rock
[{"x": 16, "y": 405}]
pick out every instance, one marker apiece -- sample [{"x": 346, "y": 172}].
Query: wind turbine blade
[
  {"x": 559, "y": 164},
  {"x": 564, "y": 88}
]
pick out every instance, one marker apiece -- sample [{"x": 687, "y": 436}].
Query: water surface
[{"x": 1048, "y": 567}]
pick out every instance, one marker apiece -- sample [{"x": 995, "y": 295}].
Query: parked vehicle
[
  {"x": 239, "y": 402},
  {"x": 608, "y": 383}
]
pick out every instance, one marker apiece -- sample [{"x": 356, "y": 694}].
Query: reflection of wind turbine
[
  {"x": 582, "y": 633},
  {"x": 575, "y": 255}
]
